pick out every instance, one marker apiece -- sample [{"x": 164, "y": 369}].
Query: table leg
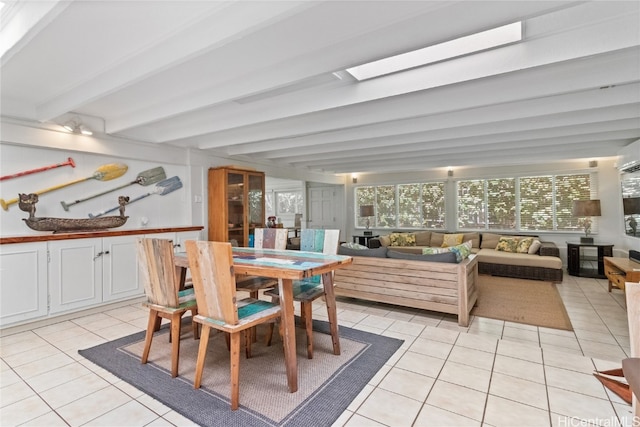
[
  {"x": 181, "y": 276},
  {"x": 285, "y": 287},
  {"x": 330, "y": 300}
]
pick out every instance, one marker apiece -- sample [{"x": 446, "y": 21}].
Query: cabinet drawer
[{"x": 616, "y": 277}]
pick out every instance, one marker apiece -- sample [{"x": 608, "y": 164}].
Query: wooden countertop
[{"x": 91, "y": 234}]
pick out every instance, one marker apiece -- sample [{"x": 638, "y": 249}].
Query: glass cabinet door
[
  {"x": 255, "y": 196},
  {"x": 235, "y": 207}
]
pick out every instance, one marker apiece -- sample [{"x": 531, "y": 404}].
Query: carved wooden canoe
[{"x": 67, "y": 225}]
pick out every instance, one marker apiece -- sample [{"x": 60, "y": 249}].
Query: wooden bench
[{"x": 442, "y": 287}]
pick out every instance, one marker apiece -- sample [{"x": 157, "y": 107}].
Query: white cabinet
[
  {"x": 86, "y": 272},
  {"x": 75, "y": 274},
  {"x": 23, "y": 282},
  {"x": 49, "y": 278},
  {"x": 120, "y": 278}
]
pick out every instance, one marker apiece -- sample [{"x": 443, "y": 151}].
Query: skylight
[{"x": 461, "y": 46}]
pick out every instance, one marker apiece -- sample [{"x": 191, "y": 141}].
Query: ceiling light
[
  {"x": 75, "y": 126},
  {"x": 439, "y": 52}
]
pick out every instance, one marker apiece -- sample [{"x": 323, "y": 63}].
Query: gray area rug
[{"x": 326, "y": 384}]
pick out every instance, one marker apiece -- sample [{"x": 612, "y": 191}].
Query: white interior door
[{"x": 324, "y": 204}]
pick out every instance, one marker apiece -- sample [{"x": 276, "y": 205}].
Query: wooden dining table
[{"x": 287, "y": 266}]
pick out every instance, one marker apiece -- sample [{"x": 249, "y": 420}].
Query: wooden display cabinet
[{"x": 236, "y": 204}]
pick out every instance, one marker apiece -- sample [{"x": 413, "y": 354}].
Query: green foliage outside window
[{"x": 524, "y": 203}]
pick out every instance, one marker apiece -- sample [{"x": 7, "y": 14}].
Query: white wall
[{"x": 26, "y": 146}]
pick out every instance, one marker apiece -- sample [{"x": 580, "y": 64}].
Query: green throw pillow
[
  {"x": 462, "y": 251},
  {"x": 507, "y": 244},
  {"x": 434, "y": 250},
  {"x": 524, "y": 245},
  {"x": 402, "y": 239}
]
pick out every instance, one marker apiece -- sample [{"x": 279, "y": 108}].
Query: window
[
  {"x": 289, "y": 202},
  {"x": 419, "y": 205},
  {"x": 525, "y": 203}
]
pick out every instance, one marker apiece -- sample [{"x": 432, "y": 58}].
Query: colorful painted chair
[{"x": 211, "y": 265}]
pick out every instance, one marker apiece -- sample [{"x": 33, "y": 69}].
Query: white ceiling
[{"x": 254, "y": 80}]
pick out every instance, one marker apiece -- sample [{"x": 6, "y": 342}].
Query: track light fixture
[{"x": 75, "y": 126}]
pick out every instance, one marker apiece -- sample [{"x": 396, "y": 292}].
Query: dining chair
[
  {"x": 164, "y": 298},
  {"x": 308, "y": 290},
  {"x": 211, "y": 265},
  {"x": 264, "y": 238}
]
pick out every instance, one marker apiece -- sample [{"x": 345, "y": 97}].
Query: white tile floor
[{"x": 492, "y": 373}]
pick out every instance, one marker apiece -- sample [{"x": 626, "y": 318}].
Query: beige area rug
[
  {"x": 326, "y": 384},
  {"x": 532, "y": 302}
]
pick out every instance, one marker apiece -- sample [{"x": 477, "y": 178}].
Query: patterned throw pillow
[
  {"x": 432, "y": 251},
  {"x": 353, "y": 245},
  {"x": 523, "y": 245},
  {"x": 452, "y": 240},
  {"x": 507, "y": 244},
  {"x": 462, "y": 251},
  {"x": 402, "y": 239}
]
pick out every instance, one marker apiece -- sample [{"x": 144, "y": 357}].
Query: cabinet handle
[
  {"x": 176, "y": 245},
  {"x": 99, "y": 254}
]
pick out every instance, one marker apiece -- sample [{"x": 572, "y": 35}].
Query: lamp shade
[
  {"x": 631, "y": 205},
  {"x": 586, "y": 208},
  {"x": 366, "y": 210}
]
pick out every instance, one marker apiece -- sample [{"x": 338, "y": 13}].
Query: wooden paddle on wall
[
  {"x": 144, "y": 178},
  {"x": 163, "y": 187},
  {"x": 103, "y": 173},
  {"x": 69, "y": 162}
]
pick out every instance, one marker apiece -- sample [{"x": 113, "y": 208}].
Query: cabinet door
[
  {"x": 236, "y": 207},
  {"x": 255, "y": 202},
  {"x": 181, "y": 237},
  {"x": 119, "y": 269},
  {"x": 75, "y": 274},
  {"x": 23, "y": 275}
]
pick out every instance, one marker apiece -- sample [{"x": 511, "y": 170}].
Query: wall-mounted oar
[
  {"x": 103, "y": 173},
  {"x": 69, "y": 162},
  {"x": 144, "y": 178},
  {"x": 162, "y": 188}
]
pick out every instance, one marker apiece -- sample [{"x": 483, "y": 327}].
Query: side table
[
  {"x": 363, "y": 240},
  {"x": 621, "y": 270},
  {"x": 578, "y": 263}
]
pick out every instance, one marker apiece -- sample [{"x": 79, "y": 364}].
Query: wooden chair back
[
  {"x": 211, "y": 265},
  {"x": 270, "y": 238},
  {"x": 157, "y": 271},
  {"x": 319, "y": 240}
]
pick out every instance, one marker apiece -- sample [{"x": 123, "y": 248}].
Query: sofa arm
[
  {"x": 374, "y": 243},
  {"x": 549, "y": 249}
]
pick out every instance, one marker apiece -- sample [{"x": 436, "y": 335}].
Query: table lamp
[
  {"x": 366, "y": 211},
  {"x": 586, "y": 209}
]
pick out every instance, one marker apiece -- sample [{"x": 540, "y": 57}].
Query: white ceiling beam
[
  {"x": 596, "y": 100},
  {"x": 233, "y": 20},
  {"x": 498, "y": 157},
  {"x": 582, "y": 121},
  {"x": 357, "y": 36},
  {"x": 532, "y": 54}
]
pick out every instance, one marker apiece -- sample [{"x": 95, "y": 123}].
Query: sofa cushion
[
  {"x": 448, "y": 257},
  {"x": 402, "y": 239},
  {"x": 385, "y": 240},
  {"x": 452, "y": 239},
  {"x": 489, "y": 240},
  {"x": 423, "y": 238},
  {"x": 507, "y": 244},
  {"x": 491, "y": 256},
  {"x": 474, "y": 237},
  {"x": 436, "y": 239},
  {"x": 380, "y": 252}
]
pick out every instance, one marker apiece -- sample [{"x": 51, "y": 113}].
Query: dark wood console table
[{"x": 577, "y": 261}]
